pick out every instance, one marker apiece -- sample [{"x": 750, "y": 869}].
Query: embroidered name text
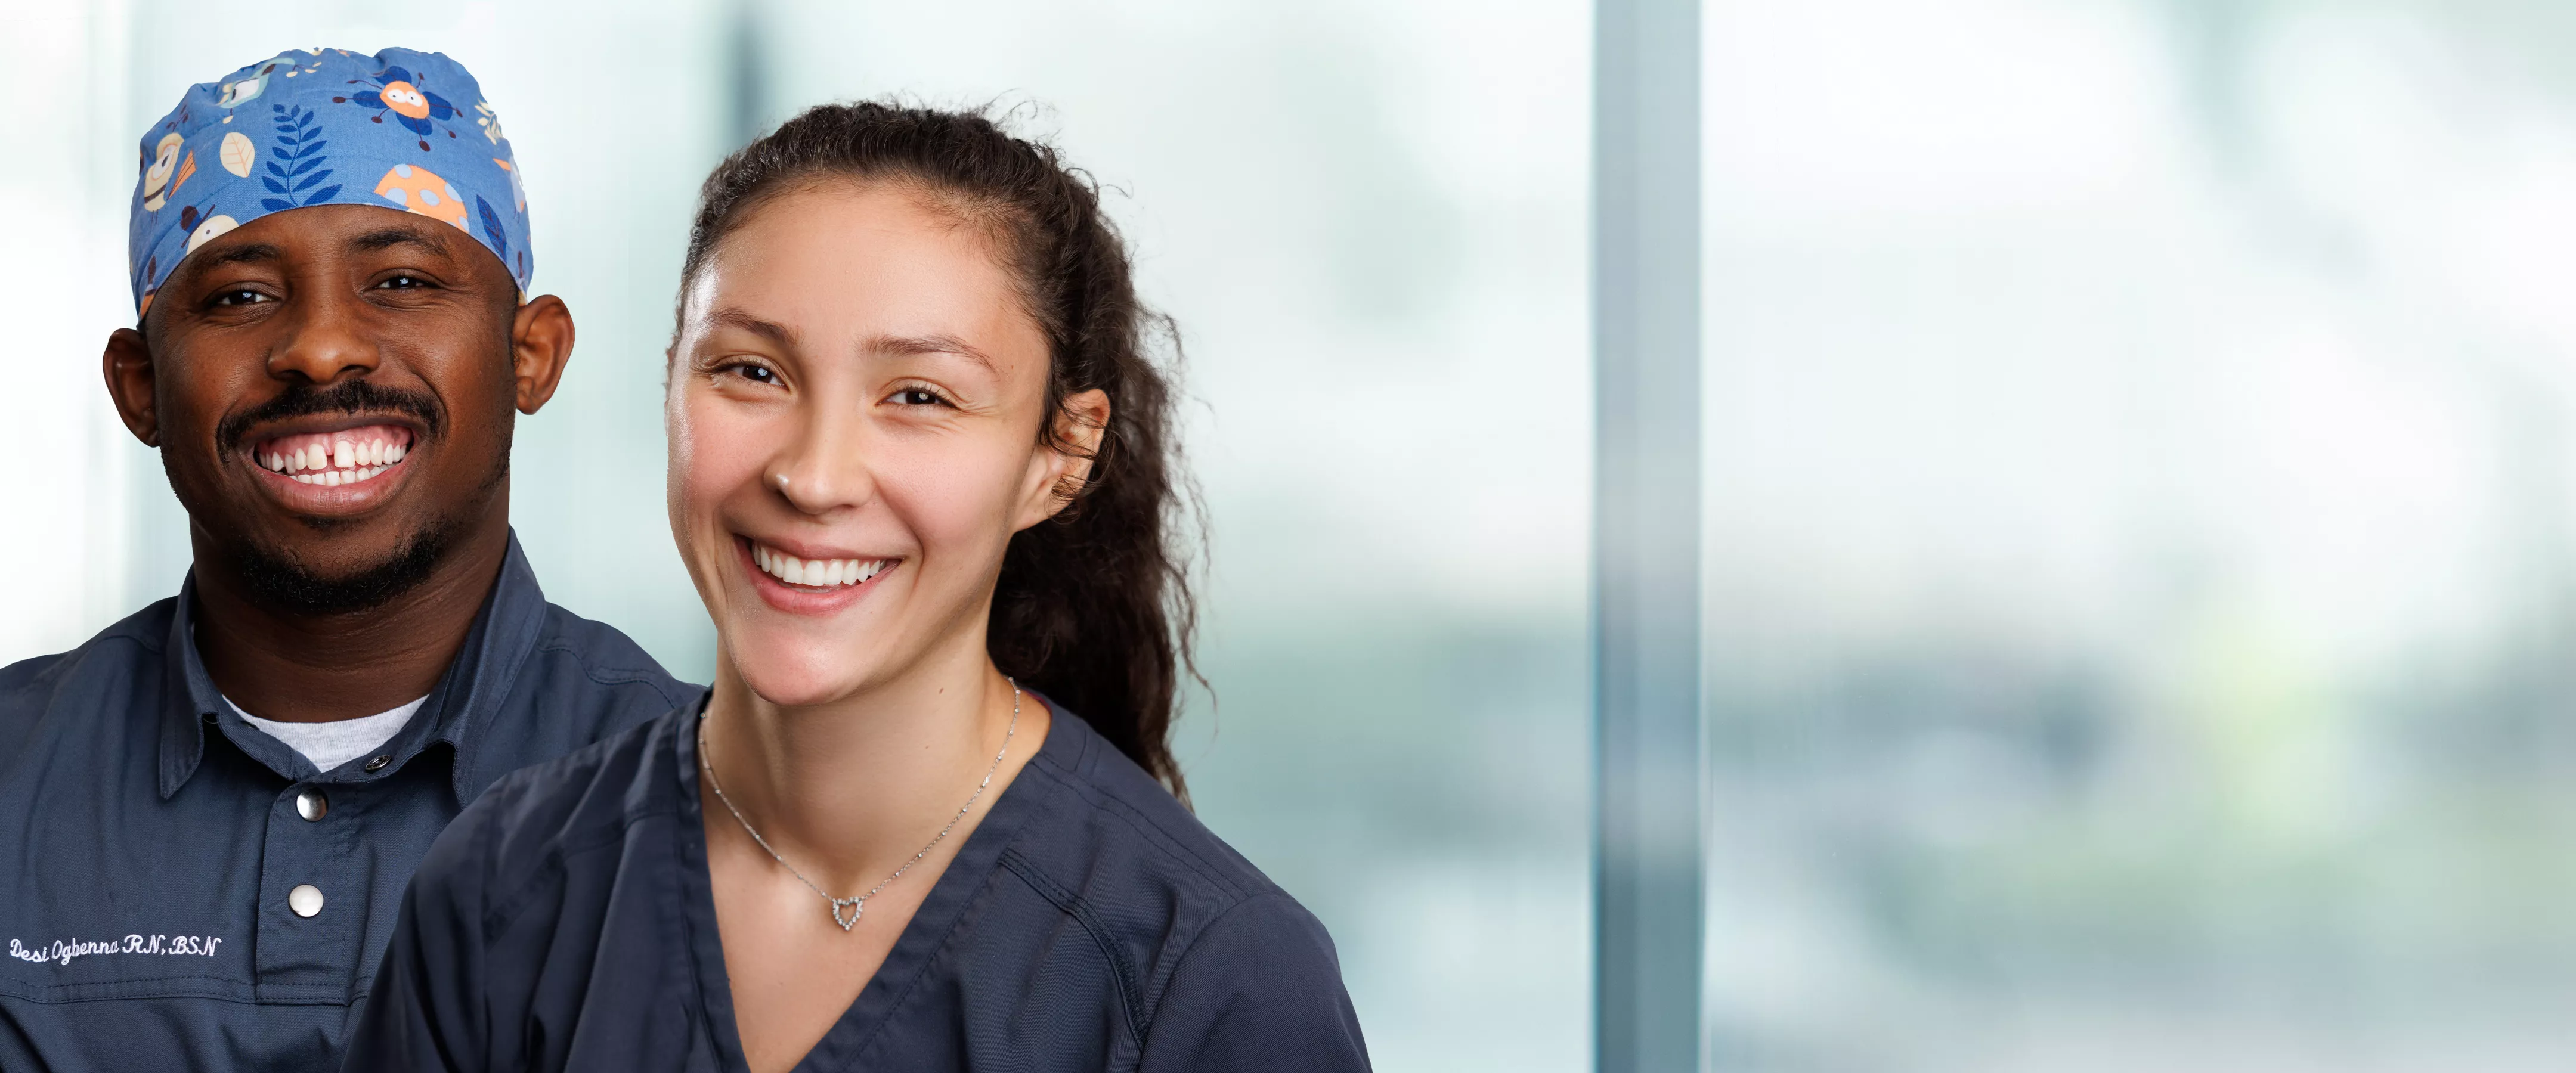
[{"x": 62, "y": 951}]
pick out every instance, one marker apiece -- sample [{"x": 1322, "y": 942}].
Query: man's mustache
[{"x": 359, "y": 396}]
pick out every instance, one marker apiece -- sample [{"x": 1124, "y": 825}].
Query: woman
[{"x": 921, "y": 473}]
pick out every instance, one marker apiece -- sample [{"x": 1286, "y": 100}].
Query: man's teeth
[
  {"x": 335, "y": 459},
  {"x": 816, "y": 572}
]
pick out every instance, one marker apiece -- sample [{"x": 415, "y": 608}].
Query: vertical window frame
[{"x": 1649, "y": 767}]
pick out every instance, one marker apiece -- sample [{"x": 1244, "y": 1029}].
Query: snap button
[
  {"x": 311, "y": 804},
  {"x": 210, "y": 718},
  {"x": 305, "y": 899},
  {"x": 378, "y": 764}
]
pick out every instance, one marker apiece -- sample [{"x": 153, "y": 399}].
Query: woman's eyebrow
[
  {"x": 909, "y": 345},
  {"x": 771, "y": 330}
]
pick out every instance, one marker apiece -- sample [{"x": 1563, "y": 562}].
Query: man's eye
[
  {"x": 403, "y": 283},
  {"x": 913, "y": 396},
  {"x": 239, "y": 298}
]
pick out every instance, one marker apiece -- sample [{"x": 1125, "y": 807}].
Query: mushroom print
[
  {"x": 418, "y": 190},
  {"x": 411, "y": 105}
]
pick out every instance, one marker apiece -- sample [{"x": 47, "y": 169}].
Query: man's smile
[
  {"x": 344, "y": 456},
  {"x": 334, "y": 470}
]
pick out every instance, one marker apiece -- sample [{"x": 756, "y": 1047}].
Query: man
[{"x": 209, "y": 811}]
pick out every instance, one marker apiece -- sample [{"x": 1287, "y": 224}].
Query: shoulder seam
[
  {"x": 150, "y": 641},
  {"x": 1131, "y": 991},
  {"x": 1155, "y": 837},
  {"x": 612, "y": 677},
  {"x": 1212, "y": 924},
  {"x": 51, "y": 665},
  {"x": 137, "y": 638}
]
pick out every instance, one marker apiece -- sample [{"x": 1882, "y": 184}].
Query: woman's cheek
[
  {"x": 950, "y": 497},
  {"x": 722, "y": 459},
  {"x": 721, "y": 436}
]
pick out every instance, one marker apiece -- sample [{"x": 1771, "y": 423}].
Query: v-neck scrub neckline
[
  {"x": 939, "y": 915},
  {"x": 1089, "y": 922}
]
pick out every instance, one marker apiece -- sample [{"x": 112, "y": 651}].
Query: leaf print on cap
[
  {"x": 493, "y": 231},
  {"x": 489, "y": 120},
  {"x": 298, "y": 168},
  {"x": 238, "y": 154}
]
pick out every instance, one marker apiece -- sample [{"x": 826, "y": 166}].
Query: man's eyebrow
[
  {"x": 256, "y": 251},
  {"x": 908, "y": 345},
  {"x": 771, "y": 330},
  {"x": 388, "y": 237}
]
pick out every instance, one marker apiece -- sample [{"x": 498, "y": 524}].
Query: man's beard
[{"x": 281, "y": 582}]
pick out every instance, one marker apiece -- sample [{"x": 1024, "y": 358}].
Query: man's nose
[{"x": 328, "y": 338}]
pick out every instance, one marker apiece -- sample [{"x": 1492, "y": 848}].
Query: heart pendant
[{"x": 856, "y": 906}]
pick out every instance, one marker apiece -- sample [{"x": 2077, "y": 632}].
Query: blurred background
[
  {"x": 2140, "y": 578},
  {"x": 2141, "y": 474}
]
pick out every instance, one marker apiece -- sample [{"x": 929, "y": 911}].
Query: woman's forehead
[{"x": 841, "y": 266}]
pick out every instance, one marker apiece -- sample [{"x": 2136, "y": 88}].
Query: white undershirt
[{"x": 329, "y": 745}]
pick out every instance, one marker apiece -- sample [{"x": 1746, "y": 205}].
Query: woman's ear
[{"x": 1065, "y": 460}]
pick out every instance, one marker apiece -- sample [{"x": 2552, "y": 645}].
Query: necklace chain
[{"x": 859, "y": 905}]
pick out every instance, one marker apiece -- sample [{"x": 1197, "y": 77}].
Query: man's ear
[
  {"x": 130, "y": 380},
  {"x": 540, "y": 347}
]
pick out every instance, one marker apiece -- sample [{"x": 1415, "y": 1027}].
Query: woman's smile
[{"x": 814, "y": 584}]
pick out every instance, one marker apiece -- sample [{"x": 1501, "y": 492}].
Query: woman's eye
[
  {"x": 755, "y": 373},
  {"x": 239, "y": 298},
  {"x": 913, "y": 396}
]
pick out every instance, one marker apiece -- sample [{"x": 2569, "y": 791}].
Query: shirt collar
[{"x": 485, "y": 668}]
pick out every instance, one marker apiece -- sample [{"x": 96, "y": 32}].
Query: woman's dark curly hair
[{"x": 1093, "y": 607}]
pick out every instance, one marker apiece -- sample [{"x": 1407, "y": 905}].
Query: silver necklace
[{"x": 859, "y": 905}]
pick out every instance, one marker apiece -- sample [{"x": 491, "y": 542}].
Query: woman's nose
[{"x": 824, "y": 469}]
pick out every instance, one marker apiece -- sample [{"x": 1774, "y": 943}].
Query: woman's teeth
[
  {"x": 816, "y": 572},
  {"x": 332, "y": 459}
]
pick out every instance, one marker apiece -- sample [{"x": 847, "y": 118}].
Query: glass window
[{"x": 2138, "y": 561}]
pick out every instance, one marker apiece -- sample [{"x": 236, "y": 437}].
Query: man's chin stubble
[
  {"x": 283, "y": 582},
  {"x": 286, "y": 584}
]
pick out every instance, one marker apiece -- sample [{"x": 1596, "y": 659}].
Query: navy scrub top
[
  {"x": 565, "y": 922},
  {"x": 149, "y": 838}
]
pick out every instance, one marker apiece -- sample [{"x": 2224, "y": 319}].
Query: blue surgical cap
[{"x": 405, "y": 130}]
